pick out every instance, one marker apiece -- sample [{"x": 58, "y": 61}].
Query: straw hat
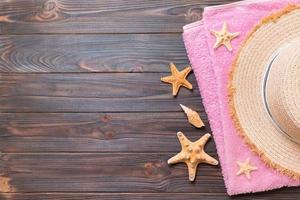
[{"x": 264, "y": 91}]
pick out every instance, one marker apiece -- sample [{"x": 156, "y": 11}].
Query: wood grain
[
  {"x": 38, "y": 104},
  {"x": 104, "y": 173},
  {"x": 94, "y": 85},
  {"x": 70, "y": 174},
  {"x": 83, "y": 114},
  {"x": 283, "y": 194},
  {"x": 92, "y": 132},
  {"x": 91, "y": 53},
  {"x": 114, "y": 196},
  {"x": 94, "y": 16},
  {"x": 104, "y": 93}
]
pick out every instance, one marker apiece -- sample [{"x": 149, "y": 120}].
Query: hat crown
[{"x": 282, "y": 89}]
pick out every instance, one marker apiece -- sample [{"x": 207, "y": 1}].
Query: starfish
[
  {"x": 178, "y": 79},
  {"x": 223, "y": 37},
  {"x": 192, "y": 154},
  {"x": 245, "y": 168}
]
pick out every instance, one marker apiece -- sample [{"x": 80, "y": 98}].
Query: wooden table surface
[{"x": 83, "y": 112}]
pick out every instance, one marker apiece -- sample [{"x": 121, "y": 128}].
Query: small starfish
[
  {"x": 223, "y": 37},
  {"x": 178, "y": 79},
  {"x": 245, "y": 168},
  {"x": 192, "y": 154}
]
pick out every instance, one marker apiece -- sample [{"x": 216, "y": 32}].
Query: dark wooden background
[{"x": 83, "y": 112}]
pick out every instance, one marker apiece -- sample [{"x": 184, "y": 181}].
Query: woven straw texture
[
  {"x": 283, "y": 90},
  {"x": 246, "y": 94}
]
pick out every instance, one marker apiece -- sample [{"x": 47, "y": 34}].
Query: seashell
[{"x": 192, "y": 116}]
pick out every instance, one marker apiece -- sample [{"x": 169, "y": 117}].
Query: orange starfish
[
  {"x": 178, "y": 79},
  {"x": 192, "y": 154}
]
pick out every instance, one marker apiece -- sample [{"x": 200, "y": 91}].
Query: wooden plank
[
  {"x": 282, "y": 194},
  {"x": 113, "y": 196},
  {"x": 111, "y": 173},
  {"x": 34, "y": 104},
  {"x": 103, "y": 173},
  {"x": 88, "y": 85},
  {"x": 94, "y": 16},
  {"x": 90, "y": 93},
  {"x": 86, "y": 132},
  {"x": 91, "y": 53}
]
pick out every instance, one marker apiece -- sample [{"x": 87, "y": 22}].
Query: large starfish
[
  {"x": 192, "y": 154},
  {"x": 224, "y": 37},
  {"x": 245, "y": 168},
  {"x": 178, "y": 79}
]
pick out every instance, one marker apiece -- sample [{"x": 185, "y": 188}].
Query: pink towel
[{"x": 211, "y": 68}]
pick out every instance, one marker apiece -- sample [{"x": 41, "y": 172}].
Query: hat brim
[{"x": 246, "y": 95}]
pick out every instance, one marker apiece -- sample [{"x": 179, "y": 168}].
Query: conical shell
[{"x": 193, "y": 117}]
